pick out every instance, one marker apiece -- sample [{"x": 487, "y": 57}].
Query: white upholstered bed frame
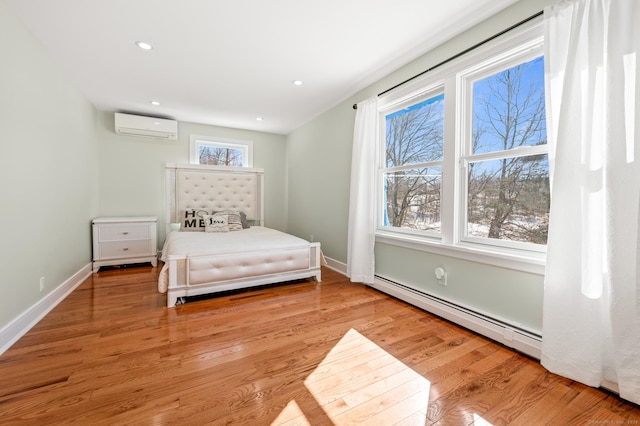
[{"x": 214, "y": 188}]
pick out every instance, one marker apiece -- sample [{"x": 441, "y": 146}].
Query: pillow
[
  {"x": 243, "y": 219},
  {"x": 233, "y": 218},
  {"x": 192, "y": 219},
  {"x": 216, "y": 223}
]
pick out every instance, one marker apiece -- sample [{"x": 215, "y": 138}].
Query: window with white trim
[
  {"x": 221, "y": 152},
  {"x": 412, "y": 173},
  {"x": 464, "y": 152}
]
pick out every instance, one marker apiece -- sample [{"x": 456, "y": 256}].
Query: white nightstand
[{"x": 124, "y": 240}]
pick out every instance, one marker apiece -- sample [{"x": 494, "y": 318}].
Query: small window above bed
[{"x": 220, "y": 152}]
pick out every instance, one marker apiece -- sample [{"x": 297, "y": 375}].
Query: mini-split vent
[
  {"x": 147, "y": 127},
  {"x": 509, "y": 335}
]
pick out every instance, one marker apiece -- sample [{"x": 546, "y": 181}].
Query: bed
[{"x": 222, "y": 243}]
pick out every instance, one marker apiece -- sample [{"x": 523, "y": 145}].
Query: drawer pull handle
[
  {"x": 126, "y": 248},
  {"x": 125, "y": 233}
]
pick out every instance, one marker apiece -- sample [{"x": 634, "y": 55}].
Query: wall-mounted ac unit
[{"x": 150, "y": 127}]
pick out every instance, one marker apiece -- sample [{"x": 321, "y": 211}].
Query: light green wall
[
  {"x": 319, "y": 167},
  {"x": 319, "y": 172},
  {"x": 48, "y": 171},
  {"x": 132, "y": 174},
  {"x": 502, "y": 293}
]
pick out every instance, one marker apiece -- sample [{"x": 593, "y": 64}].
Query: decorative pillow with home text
[{"x": 192, "y": 220}]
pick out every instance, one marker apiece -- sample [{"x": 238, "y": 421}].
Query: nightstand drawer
[
  {"x": 124, "y": 249},
  {"x": 119, "y": 232}
]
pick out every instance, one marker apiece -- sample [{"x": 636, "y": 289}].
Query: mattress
[{"x": 221, "y": 256}]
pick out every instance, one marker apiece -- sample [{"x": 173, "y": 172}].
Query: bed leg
[{"x": 171, "y": 301}]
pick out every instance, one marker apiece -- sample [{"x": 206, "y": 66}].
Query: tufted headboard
[{"x": 191, "y": 186}]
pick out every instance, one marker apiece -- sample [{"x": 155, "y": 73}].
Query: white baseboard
[
  {"x": 336, "y": 266},
  {"x": 513, "y": 337},
  {"x": 17, "y": 328}
]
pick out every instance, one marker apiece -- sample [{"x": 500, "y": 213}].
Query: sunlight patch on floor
[
  {"x": 291, "y": 415},
  {"x": 358, "y": 382},
  {"x": 479, "y": 421}
]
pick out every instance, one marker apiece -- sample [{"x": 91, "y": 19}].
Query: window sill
[{"x": 533, "y": 263}]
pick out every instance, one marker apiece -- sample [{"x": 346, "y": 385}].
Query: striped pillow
[{"x": 233, "y": 219}]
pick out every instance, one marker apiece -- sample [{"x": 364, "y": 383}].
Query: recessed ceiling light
[
  {"x": 144, "y": 45},
  {"x": 297, "y": 82},
  {"x": 259, "y": 118},
  {"x": 155, "y": 103}
]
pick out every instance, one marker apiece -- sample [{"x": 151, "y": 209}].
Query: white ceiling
[{"x": 227, "y": 62}]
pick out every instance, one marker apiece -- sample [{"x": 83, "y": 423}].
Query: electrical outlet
[
  {"x": 42, "y": 283},
  {"x": 441, "y": 276}
]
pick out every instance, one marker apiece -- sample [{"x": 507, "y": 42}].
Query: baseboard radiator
[{"x": 507, "y": 334}]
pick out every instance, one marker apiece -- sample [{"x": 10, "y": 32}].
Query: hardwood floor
[{"x": 306, "y": 353}]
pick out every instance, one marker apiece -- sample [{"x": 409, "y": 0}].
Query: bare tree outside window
[
  {"x": 508, "y": 195},
  {"x": 414, "y": 153},
  {"x": 220, "y": 156}
]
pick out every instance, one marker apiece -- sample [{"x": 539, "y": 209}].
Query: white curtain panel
[
  {"x": 591, "y": 319},
  {"x": 362, "y": 198}
]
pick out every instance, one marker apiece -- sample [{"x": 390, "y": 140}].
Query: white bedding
[{"x": 181, "y": 245}]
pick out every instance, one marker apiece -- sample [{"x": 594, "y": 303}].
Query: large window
[
  {"x": 221, "y": 152},
  {"x": 465, "y": 160}
]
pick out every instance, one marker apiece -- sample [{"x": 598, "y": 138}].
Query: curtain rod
[{"x": 457, "y": 55}]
